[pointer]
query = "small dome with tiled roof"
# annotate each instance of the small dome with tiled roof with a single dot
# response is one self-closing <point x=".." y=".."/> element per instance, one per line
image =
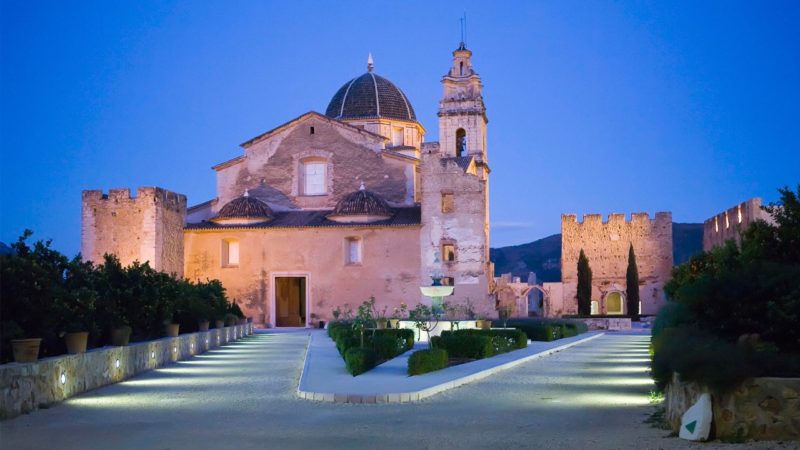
<point x="370" y="96"/>
<point x="243" y="210"/>
<point x="361" y="206"/>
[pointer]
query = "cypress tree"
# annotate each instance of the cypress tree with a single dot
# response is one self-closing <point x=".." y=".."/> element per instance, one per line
<point x="632" y="288"/>
<point x="584" y="286"/>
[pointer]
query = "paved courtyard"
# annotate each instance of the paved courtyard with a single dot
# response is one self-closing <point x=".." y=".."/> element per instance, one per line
<point x="593" y="395"/>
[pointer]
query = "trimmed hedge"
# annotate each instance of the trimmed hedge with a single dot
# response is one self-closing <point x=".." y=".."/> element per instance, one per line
<point x="504" y="340"/>
<point x="383" y="344"/>
<point x="359" y="360"/>
<point x="547" y="329"/>
<point x="424" y="361"/>
<point x="465" y="345"/>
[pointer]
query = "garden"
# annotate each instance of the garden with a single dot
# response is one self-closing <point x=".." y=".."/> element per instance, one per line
<point x="733" y="311"/>
<point x="51" y="305"/>
<point x="366" y="337"/>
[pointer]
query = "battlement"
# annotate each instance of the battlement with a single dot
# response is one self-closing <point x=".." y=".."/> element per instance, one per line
<point x="729" y="224"/>
<point x="663" y="217"/>
<point x="148" y="195"/>
<point x="144" y="227"/>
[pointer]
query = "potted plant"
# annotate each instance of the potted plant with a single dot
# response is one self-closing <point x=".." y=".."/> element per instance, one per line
<point x="397" y="314"/>
<point x="482" y="323"/>
<point x="424" y="320"/>
<point x="231" y="319"/>
<point x="171" y="328"/>
<point x="203" y="325"/>
<point x="121" y="335"/>
<point x="26" y="350"/>
<point x="76" y="341"/>
<point x="381" y="321"/>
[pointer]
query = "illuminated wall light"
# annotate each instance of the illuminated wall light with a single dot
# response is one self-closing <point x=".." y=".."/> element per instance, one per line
<point x="727" y="222"/>
<point x="716" y="224"/>
<point x="152" y="354"/>
<point x="116" y="363"/>
<point x="174" y="349"/>
<point x="63" y="378"/>
<point x="206" y="341"/>
<point x="739" y="213"/>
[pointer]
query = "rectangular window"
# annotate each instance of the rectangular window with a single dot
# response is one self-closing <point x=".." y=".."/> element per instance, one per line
<point x="353" y="251"/>
<point x="314" y="178"/>
<point x="448" y="252"/>
<point x="448" y="281"/>
<point x="448" y="202"/>
<point x="230" y="253"/>
<point x="397" y="137"/>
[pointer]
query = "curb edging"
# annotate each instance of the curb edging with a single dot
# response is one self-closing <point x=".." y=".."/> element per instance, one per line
<point x="414" y="396"/>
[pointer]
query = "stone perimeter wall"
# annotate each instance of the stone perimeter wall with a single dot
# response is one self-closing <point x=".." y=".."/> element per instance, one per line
<point x="731" y="223"/>
<point x="762" y="409"/>
<point x="27" y="387"/>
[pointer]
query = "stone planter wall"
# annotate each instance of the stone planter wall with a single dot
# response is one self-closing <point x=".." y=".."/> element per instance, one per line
<point x="604" y="323"/>
<point x="26" y="387"/>
<point x="762" y="409"/>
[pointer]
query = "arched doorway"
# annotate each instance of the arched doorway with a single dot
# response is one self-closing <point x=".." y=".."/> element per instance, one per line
<point x="615" y="304"/>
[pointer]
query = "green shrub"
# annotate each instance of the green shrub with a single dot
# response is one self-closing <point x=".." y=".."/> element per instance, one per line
<point x="536" y="328"/>
<point x="424" y="361"/>
<point x="385" y="346"/>
<point x="401" y="334"/>
<point x="465" y="345"/>
<point x="359" y="360"/>
<point x="345" y="343"/>
<point x="504" y="340"/>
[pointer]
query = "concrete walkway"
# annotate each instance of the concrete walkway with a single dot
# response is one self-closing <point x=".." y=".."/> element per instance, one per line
<point x="325" y="378"/>
<point x="242" y="396"/>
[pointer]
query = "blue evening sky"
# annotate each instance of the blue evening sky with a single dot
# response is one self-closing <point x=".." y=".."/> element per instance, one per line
<point x="594" y="106"/>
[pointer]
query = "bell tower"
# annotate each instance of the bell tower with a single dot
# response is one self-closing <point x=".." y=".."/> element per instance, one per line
<point x="462" y="114"/>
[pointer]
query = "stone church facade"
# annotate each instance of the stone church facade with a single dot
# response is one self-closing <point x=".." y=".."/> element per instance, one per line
<point x="327" y="209"/>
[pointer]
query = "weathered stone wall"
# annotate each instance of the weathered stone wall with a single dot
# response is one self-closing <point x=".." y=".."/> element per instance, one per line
<point x="606" y="245"/>
<point x="466" y="227"/>
<point x="27" y="387"/>
<point x="761" y="409"/>
<point x="148" y="227"/>
<point x="270" y="169"/>
<point x="389" y="269"/>
<point x="729" y="224"/>
<point x="603" y="323"/>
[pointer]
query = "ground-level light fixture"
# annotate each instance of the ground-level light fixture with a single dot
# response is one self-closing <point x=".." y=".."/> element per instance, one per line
<point x="174" y="349"/>
<point x="63" y="378"/>
<point x="116" y="363"/>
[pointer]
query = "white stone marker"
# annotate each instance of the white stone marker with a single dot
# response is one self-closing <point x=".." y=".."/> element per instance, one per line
<point x="696" y="421"/>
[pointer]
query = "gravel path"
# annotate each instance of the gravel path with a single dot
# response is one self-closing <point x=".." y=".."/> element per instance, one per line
<point x="242" y="396"/>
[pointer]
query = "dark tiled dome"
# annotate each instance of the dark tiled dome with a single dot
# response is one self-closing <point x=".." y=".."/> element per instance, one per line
<point x="246" y="208"/>
<point x="370" y="96"/>
<point x="362" y="203"/>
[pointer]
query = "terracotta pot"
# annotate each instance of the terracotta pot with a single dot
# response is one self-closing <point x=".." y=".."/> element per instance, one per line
<point x="26" y="350"/>
<point x="381" y="323"/>
<point x="76" y="342"/>
<point x="172" y="329"/>
<point x="219" y="324"/>
<point x="394" y="323"/>
<point x="121" y="336"/>
<point x="202" y="325"/>
<point x="483" y="324"/>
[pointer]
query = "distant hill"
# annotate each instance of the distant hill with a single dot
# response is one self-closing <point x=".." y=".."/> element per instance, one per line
<point x="5" y="250"/>
<point x="544" y="256"/>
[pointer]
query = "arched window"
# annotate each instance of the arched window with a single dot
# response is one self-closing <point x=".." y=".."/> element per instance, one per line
<point x="461" y="68"/>
<point x="313" y="174"/>
<point x="461" y="142"/>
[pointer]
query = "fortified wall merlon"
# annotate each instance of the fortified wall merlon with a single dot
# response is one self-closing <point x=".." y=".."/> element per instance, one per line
<point x="606" y="245"/>
<point x="147" y="227"/>
<point x="731" y="223"/>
